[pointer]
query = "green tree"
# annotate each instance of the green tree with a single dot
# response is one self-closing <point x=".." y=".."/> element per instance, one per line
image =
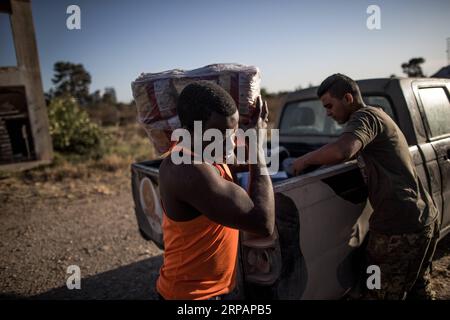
<point x="109" y="96"/>
<point x="71" y="79"/>
<point x="412" y="68"/>
<point x="95" y="98"/>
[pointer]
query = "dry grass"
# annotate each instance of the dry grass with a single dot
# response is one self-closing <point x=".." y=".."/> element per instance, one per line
<point x="274" y="104"/>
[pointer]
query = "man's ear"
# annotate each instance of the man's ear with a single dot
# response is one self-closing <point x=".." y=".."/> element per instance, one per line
<point x="348" y="97"/>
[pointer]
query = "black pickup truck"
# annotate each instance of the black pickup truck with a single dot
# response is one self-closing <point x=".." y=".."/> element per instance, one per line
<point x="322" y="215"/>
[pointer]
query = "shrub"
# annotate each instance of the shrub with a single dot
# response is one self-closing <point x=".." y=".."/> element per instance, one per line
<point x="72" y="131"/>
<point x="104" y="114"/>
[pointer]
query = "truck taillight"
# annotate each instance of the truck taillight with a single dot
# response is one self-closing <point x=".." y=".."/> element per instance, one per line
<point x="261" y="258"/>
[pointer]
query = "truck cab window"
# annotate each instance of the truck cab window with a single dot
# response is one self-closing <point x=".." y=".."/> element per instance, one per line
<point x="381" y="102"/>
<point x="437" y="110"/>
<point x="308" y="117"/>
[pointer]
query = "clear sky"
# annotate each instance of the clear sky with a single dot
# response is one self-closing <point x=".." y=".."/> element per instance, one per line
<point x="294" y="43"/>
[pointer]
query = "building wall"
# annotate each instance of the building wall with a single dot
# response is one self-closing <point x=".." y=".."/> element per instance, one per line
<point x="27" y="74"/>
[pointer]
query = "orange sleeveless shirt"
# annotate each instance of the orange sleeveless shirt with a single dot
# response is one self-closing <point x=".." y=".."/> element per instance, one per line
<point x="200" y="256"/>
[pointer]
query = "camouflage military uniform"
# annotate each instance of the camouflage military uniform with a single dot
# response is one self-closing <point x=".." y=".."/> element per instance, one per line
<point x="405" y="263"/>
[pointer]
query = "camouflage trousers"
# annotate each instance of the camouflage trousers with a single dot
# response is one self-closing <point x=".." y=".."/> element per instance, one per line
<point x="405" y="263"/>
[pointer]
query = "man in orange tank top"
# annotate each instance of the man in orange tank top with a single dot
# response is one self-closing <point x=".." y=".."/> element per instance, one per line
<point x="204" y="209"/>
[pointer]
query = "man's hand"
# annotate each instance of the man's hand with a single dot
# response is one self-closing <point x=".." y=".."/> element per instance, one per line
<point x="299" y="165"/>
<point x="259" y="117"/>
<point x="257" y="122"/>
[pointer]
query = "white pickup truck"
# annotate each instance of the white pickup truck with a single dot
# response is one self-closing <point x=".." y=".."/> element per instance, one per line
<point x="322" y="215"/>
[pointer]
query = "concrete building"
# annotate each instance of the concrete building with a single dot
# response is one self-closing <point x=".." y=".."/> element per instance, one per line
<point x="24" y="129"/>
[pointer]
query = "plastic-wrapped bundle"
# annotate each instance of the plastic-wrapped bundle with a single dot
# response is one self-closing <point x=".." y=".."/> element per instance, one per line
<point x="156" y="95"/>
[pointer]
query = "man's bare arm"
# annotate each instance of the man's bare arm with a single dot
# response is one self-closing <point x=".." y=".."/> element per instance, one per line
<point x="228" y="204"/>
<point x="343" y="149"/>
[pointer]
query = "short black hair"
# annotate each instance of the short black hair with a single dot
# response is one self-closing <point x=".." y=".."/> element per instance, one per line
<point x="338" y="85"/>
<point x="199" y="99"/>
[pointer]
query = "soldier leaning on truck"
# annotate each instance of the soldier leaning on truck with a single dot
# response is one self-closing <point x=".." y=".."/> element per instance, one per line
<point x="403" y="228"/>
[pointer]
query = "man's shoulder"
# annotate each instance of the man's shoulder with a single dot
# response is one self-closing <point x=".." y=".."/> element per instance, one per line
<point x="360" y="117"/>
<point x="185" y="173"/>
<point x="369" y="111"/>
<point x="366" y="124"/>
<point x="374" y="115"/>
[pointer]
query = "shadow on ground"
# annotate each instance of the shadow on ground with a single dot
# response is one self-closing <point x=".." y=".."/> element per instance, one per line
<point x="443" y="248"/>
<point x="133" y="281"/>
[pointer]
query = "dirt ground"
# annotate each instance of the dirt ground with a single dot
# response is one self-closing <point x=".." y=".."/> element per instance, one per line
<point x="47" y="226"/>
